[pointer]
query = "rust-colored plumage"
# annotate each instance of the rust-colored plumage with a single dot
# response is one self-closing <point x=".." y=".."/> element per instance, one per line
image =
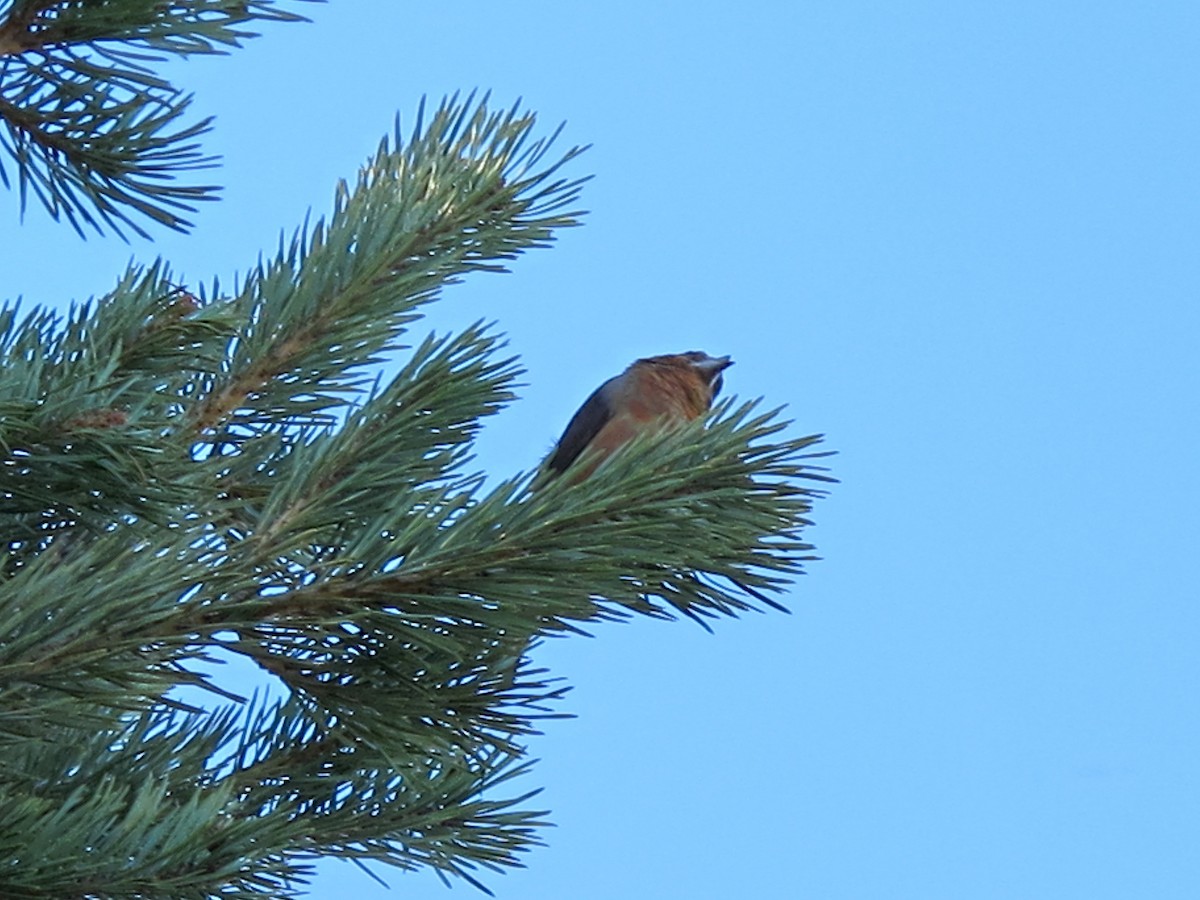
<point x="676" y="387"/>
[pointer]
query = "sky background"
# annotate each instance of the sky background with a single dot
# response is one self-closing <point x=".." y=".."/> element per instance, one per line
<point x="961" y="240"/>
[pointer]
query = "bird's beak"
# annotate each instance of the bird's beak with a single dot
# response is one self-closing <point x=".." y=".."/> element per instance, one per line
<point x="713" y="365"/>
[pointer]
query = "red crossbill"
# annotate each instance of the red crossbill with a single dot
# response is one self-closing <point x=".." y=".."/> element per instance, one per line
<point x="651" y="392"/>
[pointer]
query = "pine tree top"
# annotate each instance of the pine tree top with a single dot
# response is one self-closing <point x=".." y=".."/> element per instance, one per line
<point x="192" y="474"/>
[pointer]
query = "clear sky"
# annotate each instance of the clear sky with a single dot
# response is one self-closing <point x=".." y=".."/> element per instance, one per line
<point x="960" y="239"/>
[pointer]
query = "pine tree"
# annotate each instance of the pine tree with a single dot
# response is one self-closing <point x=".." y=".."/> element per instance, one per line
<point x="190" y="475"/>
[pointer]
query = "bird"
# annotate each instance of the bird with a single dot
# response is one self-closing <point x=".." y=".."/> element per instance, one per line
<point x="650" y="393"/>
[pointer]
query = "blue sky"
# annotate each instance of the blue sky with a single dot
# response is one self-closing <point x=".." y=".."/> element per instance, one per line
<point x="961" y="240"/>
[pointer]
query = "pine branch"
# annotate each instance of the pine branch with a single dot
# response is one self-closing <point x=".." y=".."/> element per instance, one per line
<point x="93" y="145"/>
<point x="182" y="27"/>
<point x="705" y="503"/>
<point x="460" y="196"/>
<point x="244" y="789"/>
<point x="86" y="401"/>
<point x="187" y="479"/>
<point x="96" y="137"/>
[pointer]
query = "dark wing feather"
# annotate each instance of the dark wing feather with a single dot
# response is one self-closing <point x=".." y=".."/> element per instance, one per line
<point x="584" y="425"/>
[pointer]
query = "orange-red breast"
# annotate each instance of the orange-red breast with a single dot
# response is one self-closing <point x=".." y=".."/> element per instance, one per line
<point x="661" y="389"/>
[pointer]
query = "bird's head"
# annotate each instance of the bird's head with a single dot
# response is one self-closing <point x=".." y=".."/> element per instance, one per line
<point x="708" y="368"/>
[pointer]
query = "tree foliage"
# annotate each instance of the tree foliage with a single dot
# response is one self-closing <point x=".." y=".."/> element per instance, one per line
<point x="190" y="476"/>
<point x="95" y="135"/>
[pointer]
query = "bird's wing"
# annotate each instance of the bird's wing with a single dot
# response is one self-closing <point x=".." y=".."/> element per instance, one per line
<point x="595" y="413"/>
